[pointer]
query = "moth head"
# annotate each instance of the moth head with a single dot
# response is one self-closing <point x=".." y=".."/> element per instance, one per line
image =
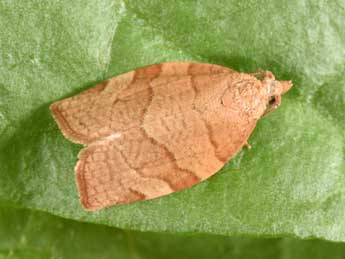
<point x="277" y="88"/>
<point x="273" y="87"/>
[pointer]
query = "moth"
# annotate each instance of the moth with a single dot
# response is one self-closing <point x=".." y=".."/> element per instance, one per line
<point x="162" y="128"/>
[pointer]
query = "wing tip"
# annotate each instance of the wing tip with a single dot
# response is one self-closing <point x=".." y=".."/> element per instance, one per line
<point x="82" y="188"/>
<point x="81" y="185"/>
<point x="63" y="125"/>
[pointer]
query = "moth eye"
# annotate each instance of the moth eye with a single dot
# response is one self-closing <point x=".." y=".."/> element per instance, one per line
<point x="272" y="100"/>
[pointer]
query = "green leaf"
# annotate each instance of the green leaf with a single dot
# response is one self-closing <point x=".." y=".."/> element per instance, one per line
<point x="26" y="234"/>
<point x="291" y="183"/>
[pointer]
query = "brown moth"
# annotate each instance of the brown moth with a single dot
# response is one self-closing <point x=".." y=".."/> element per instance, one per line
<point x="162" y="128"/>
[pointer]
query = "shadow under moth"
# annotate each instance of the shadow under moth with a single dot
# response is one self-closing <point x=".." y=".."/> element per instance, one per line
<point x="162" y="128"/>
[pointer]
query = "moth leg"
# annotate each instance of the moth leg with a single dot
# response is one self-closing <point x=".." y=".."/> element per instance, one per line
<point x="248" y="146"/>
<point x="273" y="104"/>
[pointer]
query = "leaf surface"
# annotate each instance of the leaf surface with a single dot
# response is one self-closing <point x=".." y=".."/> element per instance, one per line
<point x="27" y="234"/>
<point x="291" y="183"/>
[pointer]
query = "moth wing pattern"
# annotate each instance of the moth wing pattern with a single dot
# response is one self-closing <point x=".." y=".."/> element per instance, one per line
<point x="85" y="117"/>
<point x="150" y="132"/>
